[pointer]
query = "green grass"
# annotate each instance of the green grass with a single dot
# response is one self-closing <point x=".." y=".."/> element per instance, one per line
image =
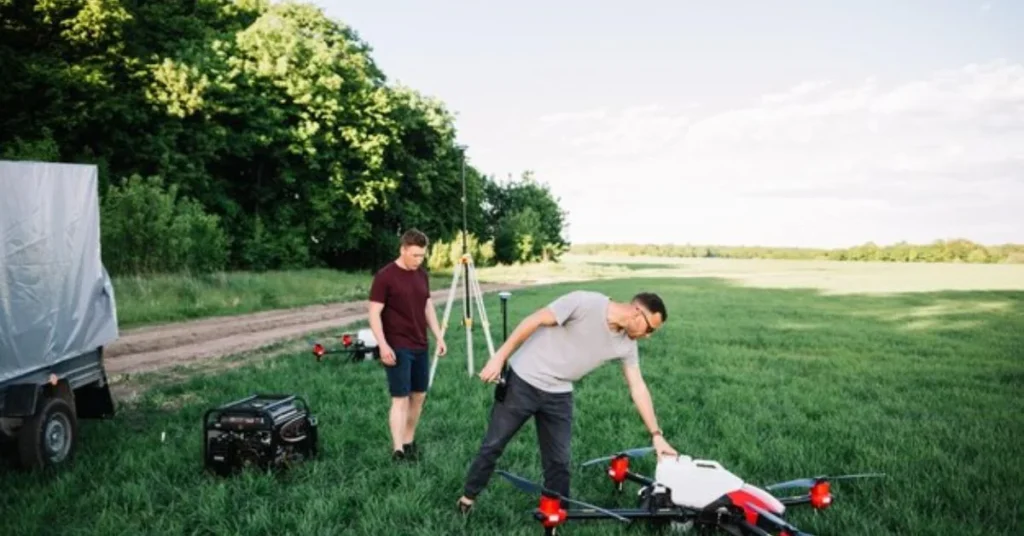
<point x="773" y="383"/>
<point x="167" y="298"/>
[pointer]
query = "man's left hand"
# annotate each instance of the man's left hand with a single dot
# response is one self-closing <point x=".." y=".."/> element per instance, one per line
<point x="441" y="348"/>
<point x="662" y="447"/>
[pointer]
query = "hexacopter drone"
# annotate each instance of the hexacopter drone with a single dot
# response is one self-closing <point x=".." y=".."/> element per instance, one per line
<point x="361" y="346"/>
<point x="698" y="495"/>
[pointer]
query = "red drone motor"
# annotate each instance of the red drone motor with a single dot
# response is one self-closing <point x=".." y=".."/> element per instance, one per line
<point x="319" y="351"/>
<point x="551" y="510"/>
<point x="821" y="498"/>
<point x="618" y="468"/>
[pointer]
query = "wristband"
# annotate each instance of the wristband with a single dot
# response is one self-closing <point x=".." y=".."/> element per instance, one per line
<point x="656" y="433"/>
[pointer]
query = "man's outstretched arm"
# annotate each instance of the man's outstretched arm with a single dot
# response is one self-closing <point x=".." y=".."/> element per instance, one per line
<point x="645" y="406"/>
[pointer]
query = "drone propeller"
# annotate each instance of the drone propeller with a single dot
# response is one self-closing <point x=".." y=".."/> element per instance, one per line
<point x="778" y="520"/>
<point x="531" y="487"/>
<point x="808" y="482"/>
<point x="631" y="453"/>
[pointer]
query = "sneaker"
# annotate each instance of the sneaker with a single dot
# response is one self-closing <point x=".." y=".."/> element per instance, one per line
<point x="463" y="507"/>
<point x="412" y="451"/>
<point x="398" y="456"/>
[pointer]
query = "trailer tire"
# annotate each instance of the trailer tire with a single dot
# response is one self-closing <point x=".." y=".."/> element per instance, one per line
<point x="48" y="438"/>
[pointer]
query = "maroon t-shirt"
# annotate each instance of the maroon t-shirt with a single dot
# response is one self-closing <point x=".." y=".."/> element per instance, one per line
<point x="404" y="294"/>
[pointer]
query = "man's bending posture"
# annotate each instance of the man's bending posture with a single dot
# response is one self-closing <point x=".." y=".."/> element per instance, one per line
<point x="560" y="344"/>
<point x="400" y="313"/>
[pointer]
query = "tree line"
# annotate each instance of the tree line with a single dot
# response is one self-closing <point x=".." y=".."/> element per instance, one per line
<point x="236" y="134"/>
<point x="956" y="250"/>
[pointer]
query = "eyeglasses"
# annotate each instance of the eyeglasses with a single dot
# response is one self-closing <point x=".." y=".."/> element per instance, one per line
<point x="650" y="328"/>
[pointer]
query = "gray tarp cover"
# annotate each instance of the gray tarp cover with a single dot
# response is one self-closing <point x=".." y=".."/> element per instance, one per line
<point x="56" y="299"/>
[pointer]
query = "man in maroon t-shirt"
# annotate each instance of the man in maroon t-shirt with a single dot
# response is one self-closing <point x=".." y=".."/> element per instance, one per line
<point x="400" y="313"/>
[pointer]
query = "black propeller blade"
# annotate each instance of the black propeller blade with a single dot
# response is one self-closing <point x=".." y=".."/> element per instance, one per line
<point x="631" y="453"/>
<point x="531" y="487"/>
<point x="808" y="482"/>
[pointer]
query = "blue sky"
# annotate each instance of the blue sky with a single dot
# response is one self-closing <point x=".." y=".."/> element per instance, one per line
<point x="784" y="123"/>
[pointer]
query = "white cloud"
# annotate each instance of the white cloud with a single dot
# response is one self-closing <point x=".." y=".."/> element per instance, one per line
<point x="921" y="160"/>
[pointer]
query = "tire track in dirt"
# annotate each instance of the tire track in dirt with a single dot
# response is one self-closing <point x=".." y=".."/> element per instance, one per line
<point x="153" y="348"/>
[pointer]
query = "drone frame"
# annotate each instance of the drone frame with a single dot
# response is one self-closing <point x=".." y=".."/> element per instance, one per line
<point x="351" y="344"/>
<point x="738" y="512"/>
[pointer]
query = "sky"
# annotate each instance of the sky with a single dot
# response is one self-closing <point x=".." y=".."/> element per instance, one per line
<point x="782" y="123"/>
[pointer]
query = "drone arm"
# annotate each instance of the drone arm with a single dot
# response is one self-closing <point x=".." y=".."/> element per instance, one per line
<point x="639" y="479"/>
<point x="795" y="500"/>
<point x="753" y="529"/>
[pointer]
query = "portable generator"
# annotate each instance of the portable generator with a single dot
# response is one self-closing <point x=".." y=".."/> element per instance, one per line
<point x="266" y="431"/>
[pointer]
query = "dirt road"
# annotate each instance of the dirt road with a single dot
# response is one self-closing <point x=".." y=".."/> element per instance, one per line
<point x="181" y="343"/>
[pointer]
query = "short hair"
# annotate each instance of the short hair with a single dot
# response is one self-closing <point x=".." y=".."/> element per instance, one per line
<point x="414" y="237"/>
<point x="653" y="303"/>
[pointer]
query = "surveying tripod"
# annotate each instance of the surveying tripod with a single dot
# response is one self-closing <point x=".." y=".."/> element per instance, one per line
<point x="471" y="286"/>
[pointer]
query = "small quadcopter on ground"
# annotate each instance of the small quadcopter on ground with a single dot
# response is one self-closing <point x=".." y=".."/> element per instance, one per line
<point x="361" y="346"/>
<point x="689" y="494"/>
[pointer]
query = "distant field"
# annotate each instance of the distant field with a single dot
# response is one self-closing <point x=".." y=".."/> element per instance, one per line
<point x="774" y="383"/>
<point x="826" y="276"/>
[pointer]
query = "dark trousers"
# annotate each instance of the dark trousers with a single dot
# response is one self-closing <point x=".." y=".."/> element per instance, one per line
<point x="553" y="416"/>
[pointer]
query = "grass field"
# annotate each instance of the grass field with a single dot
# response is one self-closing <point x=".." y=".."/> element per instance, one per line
<point x="774" y="383"/>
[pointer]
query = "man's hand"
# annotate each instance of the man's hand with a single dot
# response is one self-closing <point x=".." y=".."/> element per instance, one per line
<point x="662" y="447"/>
<point x="492" y="370"/>
<point x="387" y="355"/>
<point x="441" y="348"/>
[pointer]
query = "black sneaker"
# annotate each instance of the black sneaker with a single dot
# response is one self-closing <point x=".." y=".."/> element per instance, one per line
<point x="398" y="456"/>
<point x="412" y="451"/>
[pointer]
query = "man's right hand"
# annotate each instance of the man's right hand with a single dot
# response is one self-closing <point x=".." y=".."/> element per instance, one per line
<point x="492" y="370"/>
<point x="387" y="355"/>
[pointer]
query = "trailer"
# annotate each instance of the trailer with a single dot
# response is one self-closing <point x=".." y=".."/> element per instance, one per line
<point x="57" y="310"/>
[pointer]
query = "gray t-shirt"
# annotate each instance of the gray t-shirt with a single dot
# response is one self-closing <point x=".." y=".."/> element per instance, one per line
<point x="555" y="356"/>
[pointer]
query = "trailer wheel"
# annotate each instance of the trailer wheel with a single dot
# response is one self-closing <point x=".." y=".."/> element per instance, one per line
<point x="48" y="438"/>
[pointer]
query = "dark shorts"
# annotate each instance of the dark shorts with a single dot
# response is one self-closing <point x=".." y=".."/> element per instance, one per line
<point x="410" y="373"/>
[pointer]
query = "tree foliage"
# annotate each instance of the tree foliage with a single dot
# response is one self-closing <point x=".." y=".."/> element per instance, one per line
<point x="267" y="129"/>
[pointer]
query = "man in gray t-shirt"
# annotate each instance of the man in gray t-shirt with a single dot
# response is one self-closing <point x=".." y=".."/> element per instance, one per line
<point x="554" y="357"/>
<point x="548" y="351"/>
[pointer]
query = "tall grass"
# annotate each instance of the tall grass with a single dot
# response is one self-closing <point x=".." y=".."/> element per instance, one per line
<point x="166" y="298"/>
